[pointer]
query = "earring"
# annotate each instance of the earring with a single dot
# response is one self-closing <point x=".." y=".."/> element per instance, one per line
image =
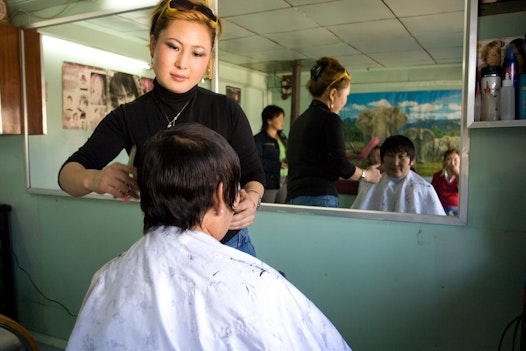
<point x="332" y="105"/>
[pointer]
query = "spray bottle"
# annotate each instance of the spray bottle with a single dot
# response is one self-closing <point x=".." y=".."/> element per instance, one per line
<point x="507" y="99"/>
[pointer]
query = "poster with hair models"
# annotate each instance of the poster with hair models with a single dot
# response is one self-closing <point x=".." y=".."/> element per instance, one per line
<point x="84" y="96"/>
<point x="122" y="88"/>
<point x="90" y="93"/>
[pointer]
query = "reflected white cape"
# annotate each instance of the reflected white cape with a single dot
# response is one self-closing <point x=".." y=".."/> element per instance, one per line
<point x="411" y="194"/>
<point x="186" y="291"/>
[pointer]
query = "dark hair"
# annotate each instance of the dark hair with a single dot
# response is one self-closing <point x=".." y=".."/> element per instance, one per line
<point x="269" y="113"/>
<point x="450" y="152"/>
<point x="327" y="73"/>
<point x="179" y="170"/>
<point x="125" y="80"/>
<point x="398" y="143"/>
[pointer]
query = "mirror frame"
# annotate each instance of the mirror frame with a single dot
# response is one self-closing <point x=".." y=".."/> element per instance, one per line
<point x="468" y="91"/>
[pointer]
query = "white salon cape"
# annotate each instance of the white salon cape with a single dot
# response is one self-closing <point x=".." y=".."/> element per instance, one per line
<point x="186" y="291"/>
<point x="410" y="194"/>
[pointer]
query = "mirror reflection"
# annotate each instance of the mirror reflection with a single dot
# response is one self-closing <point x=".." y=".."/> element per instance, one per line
<point x="388" y="47"/>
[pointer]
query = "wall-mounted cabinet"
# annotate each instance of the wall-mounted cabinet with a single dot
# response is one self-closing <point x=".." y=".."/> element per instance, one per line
<point x="21" y="82"/>
<point x="501" y="19"/>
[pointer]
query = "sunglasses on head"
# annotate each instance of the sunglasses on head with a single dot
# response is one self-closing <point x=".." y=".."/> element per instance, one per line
<point x="344" y="74"/>
<point x="186" y="5"/>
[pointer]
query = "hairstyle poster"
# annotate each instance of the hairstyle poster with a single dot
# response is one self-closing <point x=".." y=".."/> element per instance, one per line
<point x="122" y="88"/>
<point x="146" y="85"/>
<point x="90" y="93"/>
<point x="84" y="96"/>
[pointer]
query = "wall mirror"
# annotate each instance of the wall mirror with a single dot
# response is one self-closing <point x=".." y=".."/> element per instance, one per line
<point x="373" y="38"/>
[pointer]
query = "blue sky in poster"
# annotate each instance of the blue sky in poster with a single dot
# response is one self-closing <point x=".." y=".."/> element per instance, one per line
<point x="418" y="105"/>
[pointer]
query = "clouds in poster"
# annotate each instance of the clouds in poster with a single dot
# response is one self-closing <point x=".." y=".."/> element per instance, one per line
<point x="418" y="105"/>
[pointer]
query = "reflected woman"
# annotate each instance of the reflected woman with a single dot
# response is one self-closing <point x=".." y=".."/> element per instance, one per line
<point x="316" y="153"/>
<point x="445" y="182"/>
<point x="271" y="145"/>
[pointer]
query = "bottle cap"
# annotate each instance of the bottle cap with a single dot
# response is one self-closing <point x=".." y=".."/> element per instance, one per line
<point x="507" y="81"/>
<point x="490" y="71"/>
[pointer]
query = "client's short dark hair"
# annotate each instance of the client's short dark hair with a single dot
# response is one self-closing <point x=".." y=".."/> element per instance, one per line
<point x="178" y="172"/>
<point x="398" y="143"/>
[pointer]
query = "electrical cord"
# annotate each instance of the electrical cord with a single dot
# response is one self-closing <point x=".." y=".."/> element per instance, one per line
<point x="519" y="320"/>
<point x="38" y="289"/>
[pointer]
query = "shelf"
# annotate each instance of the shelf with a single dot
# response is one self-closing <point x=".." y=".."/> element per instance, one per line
<point x="499" y="7"/>
<point x="499" y="124"/>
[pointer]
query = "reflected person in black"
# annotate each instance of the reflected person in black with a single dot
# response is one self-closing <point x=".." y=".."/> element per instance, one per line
<point x="271" y="145"/>
<point x="123" y="89"/>
<point x="316" y="152"/>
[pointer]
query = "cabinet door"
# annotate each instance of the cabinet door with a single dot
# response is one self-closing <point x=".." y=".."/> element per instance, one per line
<point x="10" y="87"/>
<point x="35" y="90"/>
<point x="16" y="42"/>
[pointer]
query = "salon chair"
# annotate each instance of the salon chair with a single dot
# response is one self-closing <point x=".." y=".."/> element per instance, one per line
<point x="13" y="336"/>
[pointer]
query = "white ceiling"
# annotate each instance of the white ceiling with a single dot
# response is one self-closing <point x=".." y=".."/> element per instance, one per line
<point x="270" y="35"/>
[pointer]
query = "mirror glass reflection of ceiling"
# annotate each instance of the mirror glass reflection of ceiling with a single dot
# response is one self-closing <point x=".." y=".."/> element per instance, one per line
<point x="270" y="35"/>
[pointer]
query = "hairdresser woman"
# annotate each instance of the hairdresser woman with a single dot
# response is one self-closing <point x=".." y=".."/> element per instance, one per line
<point x="316" y="151"/>
<point x="182" y="36"/>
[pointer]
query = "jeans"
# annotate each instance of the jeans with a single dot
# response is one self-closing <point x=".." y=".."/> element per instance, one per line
<point x="321" y="200"/>
<point x="451" y="210"/>
<point x="241" y="241"/>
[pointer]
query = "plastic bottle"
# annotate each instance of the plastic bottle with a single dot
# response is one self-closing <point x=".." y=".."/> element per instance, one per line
<point x="490" y="86"/>
<point x="507" y="99"/>
<point x="511" y="65"/>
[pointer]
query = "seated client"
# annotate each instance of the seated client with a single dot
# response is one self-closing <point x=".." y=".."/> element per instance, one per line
<point x="178" y="287"/>
<point x="400" y="189"/>
<point x="445" y="181"/>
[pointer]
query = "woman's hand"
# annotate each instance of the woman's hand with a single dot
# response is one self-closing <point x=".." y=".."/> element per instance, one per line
<point x="453" y="169"/>
<point x="373" y="174"/>
<point x="116" y="179"/>
<point x="245" y="211"/>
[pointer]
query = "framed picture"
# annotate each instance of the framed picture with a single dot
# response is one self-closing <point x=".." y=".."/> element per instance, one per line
<point x="234" y="93"/>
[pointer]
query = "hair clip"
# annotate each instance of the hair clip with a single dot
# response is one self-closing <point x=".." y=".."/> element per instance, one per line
<point x="316" y="70"/>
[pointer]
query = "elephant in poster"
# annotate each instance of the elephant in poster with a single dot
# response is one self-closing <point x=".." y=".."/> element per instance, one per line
<point x="382" y="122"/>
<point x="424" y="141"/>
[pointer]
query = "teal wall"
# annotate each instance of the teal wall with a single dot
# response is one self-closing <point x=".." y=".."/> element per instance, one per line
<point x="385" y="285"/>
